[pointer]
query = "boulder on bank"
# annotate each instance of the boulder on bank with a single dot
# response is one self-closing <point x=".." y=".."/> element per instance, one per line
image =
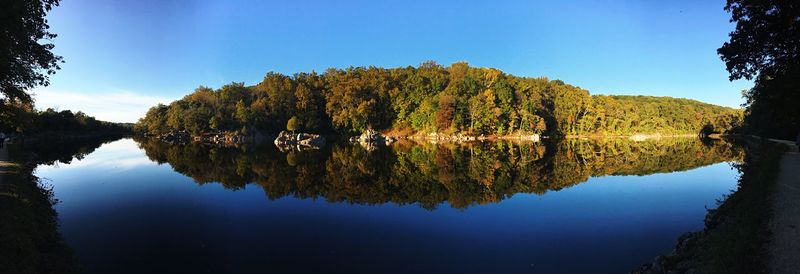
<point x="371" y="138"/>
<point x="300" y="140"/>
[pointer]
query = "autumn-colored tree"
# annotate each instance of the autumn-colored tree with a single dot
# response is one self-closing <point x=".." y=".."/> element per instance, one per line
<point x="429" y="98"/>
<point x="446" y="112"/>
<point x="293" y="124"/>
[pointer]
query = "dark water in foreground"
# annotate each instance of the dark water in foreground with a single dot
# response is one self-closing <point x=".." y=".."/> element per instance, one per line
<point x="571" y="207"/>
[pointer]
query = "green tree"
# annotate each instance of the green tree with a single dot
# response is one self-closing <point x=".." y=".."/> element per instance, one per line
<point x="570" y="104"/>
<point x="293" y="124"/>
<point x="25" y="62"/>
<point x="309" y="102"/>
<point x="243" y="115"/>
<point x="358" y="98"/>
<point x="764" y="47"/>
<point x="26" y="59"/>
<point x="765" y="39"/>
<point x="277" y="94"/>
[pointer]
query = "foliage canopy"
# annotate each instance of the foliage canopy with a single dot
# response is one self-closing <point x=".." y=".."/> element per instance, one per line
<point x="26" y="60"/>
<point x="430" y="98"/>
<point x="764" y="47"/>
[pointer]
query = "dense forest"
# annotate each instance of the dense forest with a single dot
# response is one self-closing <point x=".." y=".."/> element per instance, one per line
<point x="430" y="98"/>
<point x="33" y="122"/>
<point x="429" y="175"/>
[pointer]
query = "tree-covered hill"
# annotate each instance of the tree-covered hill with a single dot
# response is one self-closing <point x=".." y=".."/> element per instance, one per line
<point x="430" y="98"/>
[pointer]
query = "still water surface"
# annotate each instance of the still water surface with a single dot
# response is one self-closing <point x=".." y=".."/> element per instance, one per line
<point x="572" y="207"/>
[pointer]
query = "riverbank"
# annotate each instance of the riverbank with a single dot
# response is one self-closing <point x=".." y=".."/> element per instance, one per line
<point x="233" y="138"/>
<point x="527" y="136"/>
<point x="29" y="238"/>
<point x="736" y="235"/>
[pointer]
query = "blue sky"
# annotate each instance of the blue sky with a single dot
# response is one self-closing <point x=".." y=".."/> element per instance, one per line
<point x="125" y="56"/>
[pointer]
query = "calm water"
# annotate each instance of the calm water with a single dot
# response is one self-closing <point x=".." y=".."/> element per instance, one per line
<point x="572" y="207"/>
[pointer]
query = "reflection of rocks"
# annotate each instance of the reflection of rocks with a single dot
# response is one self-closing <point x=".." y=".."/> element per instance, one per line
<point x="437" y="138"/>
<point x="639" y="137"/>
<point x="371" y="139"/>
<point x="300" y="141"/>
<point x="221" y="138"/>
<point x="522" y="137"/>
<point x="444" y="138"/>
<point x="174" y="137"/>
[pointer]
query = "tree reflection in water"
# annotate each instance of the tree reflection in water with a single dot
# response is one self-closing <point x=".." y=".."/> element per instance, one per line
<point x="429" y="175"/>
<point x="29" y="238"/>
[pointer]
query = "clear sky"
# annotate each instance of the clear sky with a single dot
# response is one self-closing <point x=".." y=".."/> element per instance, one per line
<point x="124" y="56"/>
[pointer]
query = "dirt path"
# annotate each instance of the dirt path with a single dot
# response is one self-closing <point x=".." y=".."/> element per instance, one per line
<point x="785" y="224"/>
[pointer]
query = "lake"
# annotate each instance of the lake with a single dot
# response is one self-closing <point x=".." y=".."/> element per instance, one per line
<point x="575" y="206"/>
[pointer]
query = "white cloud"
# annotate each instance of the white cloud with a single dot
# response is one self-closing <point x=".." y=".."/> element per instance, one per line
<point x="120" y="106"/>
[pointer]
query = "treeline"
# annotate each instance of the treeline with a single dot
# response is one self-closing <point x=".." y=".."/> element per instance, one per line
<point x="773" y="105"/>
<point x="430" y="98"/>
<point x="429" y="175"/>
<point x="32" y="122"/>
<point x="764" y="47"/>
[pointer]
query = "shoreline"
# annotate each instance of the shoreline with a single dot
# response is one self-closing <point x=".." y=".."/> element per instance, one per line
<point x="637" y="135"/>
<point x="228" y="138"/>
<point x="736" y="235"/>
<point x="29" y="203"/>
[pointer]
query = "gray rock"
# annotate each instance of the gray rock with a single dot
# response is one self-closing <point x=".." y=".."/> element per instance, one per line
<point x="370" y="139"/>
<point x="299" y="141"/>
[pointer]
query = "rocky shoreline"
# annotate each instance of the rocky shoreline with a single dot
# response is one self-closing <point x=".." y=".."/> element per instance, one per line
<point x="735" y="236"/>
<point x="373" y="138"/>
<point x="287" y="141"/>
<point x="222" y="138"/>
<point x="435" y="137"/>
<point x="676" y="261"/>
